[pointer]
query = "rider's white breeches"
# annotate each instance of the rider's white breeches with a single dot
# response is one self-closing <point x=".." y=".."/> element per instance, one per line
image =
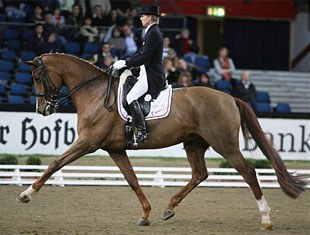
<point x="140" y="88"/>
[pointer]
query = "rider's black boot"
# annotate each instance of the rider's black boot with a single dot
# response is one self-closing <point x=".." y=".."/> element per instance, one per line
<point x="139" y="122"/>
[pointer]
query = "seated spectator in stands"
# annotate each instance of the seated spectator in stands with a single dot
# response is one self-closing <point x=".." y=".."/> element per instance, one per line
<point x="37" y="16"/>
<point x="105" y="51"/>
<point x="88" y="32"/>
<point x="166" y="46"/>
<point x="117" y="42"/>
<point x="58" y="19"/>
<point x="49" y="28"/>
<point x="108" y="60"/>
<point x="75" y="18"/>
<point x="246" y="90"/>
<point x="99" y="18"/>
<point x="170" y="71"/>
<point x="131" y="41"/>
<point x="49" y="5"/>
<point x="65" y="6"/>
<point x="172" y="55"/>
<point x="184" y="44"/>
<point x="224" y="67"/>
<point x="204" y="80"/>
<point x="36" y="42"/>
<point x="53" y="44"/>
<point x="182" y="66"/>
<point x="105" y="6"/>
<point x="115" y="18"/>
<point x="134" y="16"/>
<point x="184" y="80"/>
<point x="15" y="9"/>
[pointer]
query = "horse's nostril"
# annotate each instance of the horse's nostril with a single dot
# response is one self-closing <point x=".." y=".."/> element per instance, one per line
<point x="39" y="112"/>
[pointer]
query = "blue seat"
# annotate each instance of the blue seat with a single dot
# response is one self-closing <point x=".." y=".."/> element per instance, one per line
<point x="2" y="89"/>
<point x="18" y="89"/>
<point x="263" y="96"/>
<point x="283" y="108"/>
<point x="263" y="107"/>
<point x="27" y="55"/>
<point x="223" y="85"/>
<point x="24" y="78"/>
<point x="16" y="99"/>
<point x="72" y="48"/>
<point x="85" y="56"/>
<point x="91" y="47"/>
<point x="3" y="18"/>
<point x="27" y="33"/>
<point x="32" y="99"/>
<point x="33" y="90"/>
<point x="22" y="67"/>
<point x="10" y="34"/>
<point x="15" y="19"/>
<point x="13" y="44"/>
<point x="6" y="66"/>
<point x="8" y="55"/>
<point x="5" y="76"/>
<point x="203" y="64"/>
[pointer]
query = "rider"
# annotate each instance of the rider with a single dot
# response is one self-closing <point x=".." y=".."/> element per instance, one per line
<point x="151" y="78"/>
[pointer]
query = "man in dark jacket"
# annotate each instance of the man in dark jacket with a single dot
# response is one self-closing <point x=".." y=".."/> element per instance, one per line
<point x="151" y="79"/>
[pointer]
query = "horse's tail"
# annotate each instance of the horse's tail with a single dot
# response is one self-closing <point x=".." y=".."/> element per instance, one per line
<point x="291" y="185"/>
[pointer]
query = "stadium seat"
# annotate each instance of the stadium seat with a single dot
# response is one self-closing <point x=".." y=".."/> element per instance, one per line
<point x="85" y="56"/>
<point x="27" y="33"/>
<point x="10" y="34"/>
<point x="5" y="76"/>
<point x="263" y="108"/>
<point x="32" y="99"/>
<point x="203" y="64"/>
<point x="18" y="89"/>
<point x="263" y="96"/>
<point x="6" y="66"/>
<point x="22" y="67"/>
<point x="2" y="89"/>
<point x="13" y="44"/>
<point x="3" y="18"/>
<point x="33" y="90"/>
<point x="72" y="48"/>
<point x="190" y="57"/>
<point x="224" y="85"/>
<point x="15" y="19"/>
<point x="16" y="99"/>
<point x="91" y="47"/>
<point x="8" y="55"/>
<point x="283" y="108"/>
<point x="24" y="78"/>
<point x="27" y="55"/>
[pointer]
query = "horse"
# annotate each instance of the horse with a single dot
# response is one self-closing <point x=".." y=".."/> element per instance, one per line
<point x="199" y="118"/>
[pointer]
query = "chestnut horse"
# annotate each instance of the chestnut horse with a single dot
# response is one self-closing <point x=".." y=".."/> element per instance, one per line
<point x="199" y="117"/>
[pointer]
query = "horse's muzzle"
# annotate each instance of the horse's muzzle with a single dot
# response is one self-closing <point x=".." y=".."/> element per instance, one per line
<point x="47" y="109"/>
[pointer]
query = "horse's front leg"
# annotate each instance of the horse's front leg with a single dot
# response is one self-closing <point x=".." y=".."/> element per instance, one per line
<point x="77" y="150"/>
<point x="122" y="161"/>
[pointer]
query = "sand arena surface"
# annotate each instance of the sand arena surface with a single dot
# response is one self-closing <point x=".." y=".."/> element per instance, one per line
<point x="92" y="210"/>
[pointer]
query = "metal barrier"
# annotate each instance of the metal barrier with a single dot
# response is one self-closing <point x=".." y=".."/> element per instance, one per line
<point x="148" y="176"/>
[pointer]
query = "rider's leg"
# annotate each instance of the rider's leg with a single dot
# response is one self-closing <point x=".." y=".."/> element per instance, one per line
<point x="139" y="89"/>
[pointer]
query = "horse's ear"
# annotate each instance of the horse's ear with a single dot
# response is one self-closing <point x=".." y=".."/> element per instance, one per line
<point x="30" y="62"/>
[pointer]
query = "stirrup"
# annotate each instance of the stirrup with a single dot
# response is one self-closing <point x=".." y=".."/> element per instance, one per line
<point x="141" y="137"/>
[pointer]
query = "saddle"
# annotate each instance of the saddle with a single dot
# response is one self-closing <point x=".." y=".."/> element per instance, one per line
<point x="144" y="101"/>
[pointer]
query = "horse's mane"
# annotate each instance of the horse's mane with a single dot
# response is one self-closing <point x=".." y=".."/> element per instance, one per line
<point x="73" y="57"/>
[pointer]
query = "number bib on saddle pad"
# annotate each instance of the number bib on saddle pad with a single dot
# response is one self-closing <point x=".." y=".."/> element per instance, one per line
<point x="158" y="108"/>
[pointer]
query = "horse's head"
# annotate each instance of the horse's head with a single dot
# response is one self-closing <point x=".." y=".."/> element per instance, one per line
<point x="47" y="82"/>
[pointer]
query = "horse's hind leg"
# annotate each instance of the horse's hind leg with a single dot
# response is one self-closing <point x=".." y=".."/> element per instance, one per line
<point x="195" y="150"/>
<point x="77" y="150"/>
<point x="237" y="161"/>
<point x="122" y="161"/>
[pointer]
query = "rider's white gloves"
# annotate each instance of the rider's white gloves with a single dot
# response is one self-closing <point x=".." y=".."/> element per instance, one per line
<point x="119" y="64"/>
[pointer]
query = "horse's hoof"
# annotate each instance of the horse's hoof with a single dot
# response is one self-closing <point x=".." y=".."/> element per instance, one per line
<point x="143" y="222"/>
<point x="23" y="198"/>
<point x="266" y="226"/>
<point x="168" y="214"/>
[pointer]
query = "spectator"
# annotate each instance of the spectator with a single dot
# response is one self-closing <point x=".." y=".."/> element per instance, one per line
<point x="57" y="19"/>
<point x="131" y="41"/>
<point x="224" y="66"/>
<point x="184" y="80"/>
<point x="204" y="80"/>
<point x="53" y="44"/>
<point x="166" y="48"/>
<point x="37" y="16"/>
<point x="49" y="5"/>
<point x="105" y="51"/>
<point x="89" y="32"/>
<point x="117" y="42"/>
<point x="114" y="18"/>
<point x="65" y="6"/>
<point x="49" y="28"/>
<point x="15" y="9"/>
<point x="172" y="55"/>
<point x="75" y="18"/>
<point x="98" y="18"/>
<point x="36" y="42"/>
<point x="246" y="90"/>
<point x="108" y="60"/>
<point x="170" y="71"/>
<point x="182" y="66"/>
<point x="184" y="44"/>
<point x="105" y="6"/>
<point x="134" y="16"/>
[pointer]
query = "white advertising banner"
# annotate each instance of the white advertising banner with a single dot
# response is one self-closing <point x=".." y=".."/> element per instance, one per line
<point x="30" y="133"/>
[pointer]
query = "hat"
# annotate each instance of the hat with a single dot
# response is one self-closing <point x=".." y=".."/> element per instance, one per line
<point x="150" y="10"/>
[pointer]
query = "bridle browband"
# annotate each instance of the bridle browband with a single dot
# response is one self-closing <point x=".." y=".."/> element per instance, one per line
<point x="55" y="98"/>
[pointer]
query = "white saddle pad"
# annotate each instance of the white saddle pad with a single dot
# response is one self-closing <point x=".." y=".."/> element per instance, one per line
<point x="160" y="108"/>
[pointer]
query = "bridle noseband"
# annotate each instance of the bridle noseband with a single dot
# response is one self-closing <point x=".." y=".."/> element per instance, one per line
<point x="54" y="98"/>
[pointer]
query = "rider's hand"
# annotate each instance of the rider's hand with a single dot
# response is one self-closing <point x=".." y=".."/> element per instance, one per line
<point x="119" y="64"/>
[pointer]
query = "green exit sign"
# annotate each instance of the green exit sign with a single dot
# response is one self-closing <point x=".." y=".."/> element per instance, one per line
<point x="216" y="11"/>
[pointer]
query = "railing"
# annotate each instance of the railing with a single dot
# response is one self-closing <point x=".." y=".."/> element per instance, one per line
<point x="148" y="176"/>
